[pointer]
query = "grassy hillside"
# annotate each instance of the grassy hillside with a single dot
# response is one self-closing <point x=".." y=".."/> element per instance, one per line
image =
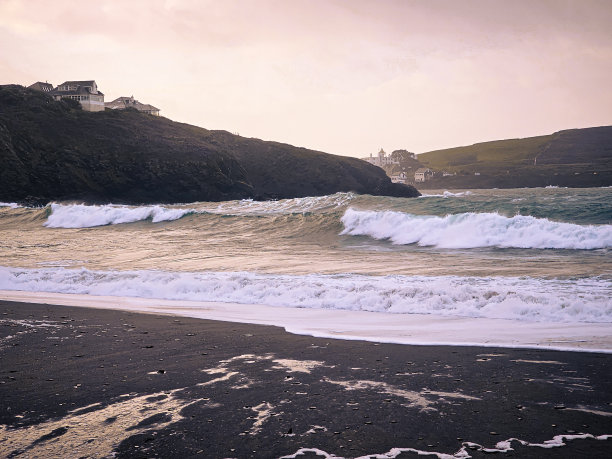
<point x="489" y="155"/>
<point x="579" y="146"/>
<point x="55" y="151"/>
<point x="576" y="157"/>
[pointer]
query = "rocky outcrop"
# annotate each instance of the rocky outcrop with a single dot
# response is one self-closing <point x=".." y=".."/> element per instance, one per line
<point x="55" y="151"/>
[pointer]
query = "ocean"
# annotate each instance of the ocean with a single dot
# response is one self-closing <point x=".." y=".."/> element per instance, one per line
<point x="529" y="255"/>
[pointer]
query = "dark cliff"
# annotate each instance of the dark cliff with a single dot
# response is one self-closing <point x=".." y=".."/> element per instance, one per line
<point x="55" y="151"/>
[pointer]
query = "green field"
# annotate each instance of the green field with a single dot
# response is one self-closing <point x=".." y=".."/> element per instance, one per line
<point x="574" y="157"/>
<point x="487" y="156"/>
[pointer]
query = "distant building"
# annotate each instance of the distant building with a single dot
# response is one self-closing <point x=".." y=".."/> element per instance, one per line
<point x="122" y="103"/>
<point x="85" y="92"/>
<point x="43" y="87"/>
<point x="423" y="174"/>
<point x="381" y="159"/>
<point x="90" y="98"/>
<point x="399" y="178"/>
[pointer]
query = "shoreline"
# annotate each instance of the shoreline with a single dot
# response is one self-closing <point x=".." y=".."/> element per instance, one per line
<point x="405" y="329"/>
<point x="93" y="382"/>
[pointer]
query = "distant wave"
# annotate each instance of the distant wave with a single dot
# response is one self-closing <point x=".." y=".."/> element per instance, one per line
<point x="86" y="216"/>
<point x="527" y="299"/>
<point x="283" y="206"/>
<point x="447" y="194"/>
<point x="471" y="230"/>
<point x="12" y="205"/>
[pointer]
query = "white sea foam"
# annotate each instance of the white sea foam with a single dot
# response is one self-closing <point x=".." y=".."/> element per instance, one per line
<point x="12" y="205"/>
<point x="447" y="194"/>
<point x="504" y="446"/>
<point x="526" y="299"/>
<point x="85" y="216"/>
<point x="82" y="216"/>
<point x="470" y="230"/>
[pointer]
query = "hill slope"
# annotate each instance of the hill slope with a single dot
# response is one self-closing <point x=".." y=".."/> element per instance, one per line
<point x="575" y="157"/>
<point x="55" y="151"/>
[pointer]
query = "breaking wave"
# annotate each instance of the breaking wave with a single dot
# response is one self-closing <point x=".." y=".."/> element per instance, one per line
<point x="82" y="216"/>
<point x="527" y="299"/>
<point x="87" y="216"/>
<point x="471" y="230"/>
<point x="284" y="206"/>
<point x="12" y="205"/>
<point x="447" y="194"/>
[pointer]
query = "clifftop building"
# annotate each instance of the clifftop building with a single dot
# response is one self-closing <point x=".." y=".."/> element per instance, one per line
<point x="381" y="159"/>
<point x="423" y="174"/>
<point x="85" y="92"/>
<point x="43" y="87"/>
<point x="121" y="103"/>
<point x="90" y="97"/>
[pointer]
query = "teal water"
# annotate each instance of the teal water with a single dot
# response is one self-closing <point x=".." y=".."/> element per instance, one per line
<point x="553" y="244"/>
<point x="305" y="235"/>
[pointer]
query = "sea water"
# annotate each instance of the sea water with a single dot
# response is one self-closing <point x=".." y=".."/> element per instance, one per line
<point x="533" y="255"/>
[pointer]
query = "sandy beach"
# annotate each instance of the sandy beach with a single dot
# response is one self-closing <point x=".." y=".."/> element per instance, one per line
<point x="336" y="229"/>
<point x="83" y="382"/>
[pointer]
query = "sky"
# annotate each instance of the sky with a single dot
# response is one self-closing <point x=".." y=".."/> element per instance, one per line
<point x="342" y="76"/>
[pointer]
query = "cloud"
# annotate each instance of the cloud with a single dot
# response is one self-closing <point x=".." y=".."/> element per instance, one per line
<point x="346" y="76"/>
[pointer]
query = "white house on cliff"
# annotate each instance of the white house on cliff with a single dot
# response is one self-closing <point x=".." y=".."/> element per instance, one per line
<point x="90" y="97"/>
<point x="381" y="159"/>
<point x="85" y="92"/>
<point x="121" y="103"/>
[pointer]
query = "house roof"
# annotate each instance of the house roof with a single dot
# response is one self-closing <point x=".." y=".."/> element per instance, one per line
<point x="125" y="102"/>
<point x="79" y="83"/>
<point x="421" y="170"/>
<point x="81" y="90"/>
<point x="39" y="85"/>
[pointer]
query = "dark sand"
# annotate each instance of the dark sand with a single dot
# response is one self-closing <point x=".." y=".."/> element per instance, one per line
<point x="178" y="387"/>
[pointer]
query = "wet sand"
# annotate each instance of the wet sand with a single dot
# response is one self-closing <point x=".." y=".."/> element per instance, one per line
<point x="419" y="329"/>
<point x="80" y="382"/>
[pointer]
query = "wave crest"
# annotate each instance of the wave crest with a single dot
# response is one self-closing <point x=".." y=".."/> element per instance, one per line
<point x="82" y="216"/>
<point x="87" y="216"/>
<point x="12" y="205"/>
<point x="471" y="230"/>
<point x="283" y="206"/>
<point x="447" y="194"/>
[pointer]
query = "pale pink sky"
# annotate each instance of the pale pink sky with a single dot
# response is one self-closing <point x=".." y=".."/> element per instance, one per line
<point x="342" y="76"/>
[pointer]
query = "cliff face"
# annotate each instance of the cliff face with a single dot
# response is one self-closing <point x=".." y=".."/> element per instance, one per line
<point x="55" y="151"/>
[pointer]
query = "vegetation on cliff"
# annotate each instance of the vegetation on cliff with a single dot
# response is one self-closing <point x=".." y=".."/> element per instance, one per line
<point x="55" y="151"/>
<point x="574" y="158"/>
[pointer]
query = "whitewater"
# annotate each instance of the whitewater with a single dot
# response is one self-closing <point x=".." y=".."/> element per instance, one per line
<point x="514" y="257"/>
